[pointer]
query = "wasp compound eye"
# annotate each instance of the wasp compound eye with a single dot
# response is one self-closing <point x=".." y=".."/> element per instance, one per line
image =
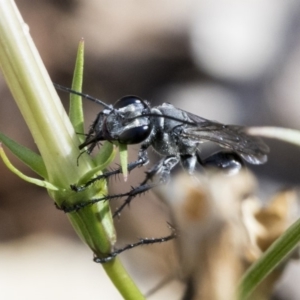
<point x="128" y="100"/>
<point x="135" y="135"/>
<point x="135" y="128"/>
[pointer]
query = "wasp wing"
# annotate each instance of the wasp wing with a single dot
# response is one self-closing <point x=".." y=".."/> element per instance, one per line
<point x="233" y="137"/>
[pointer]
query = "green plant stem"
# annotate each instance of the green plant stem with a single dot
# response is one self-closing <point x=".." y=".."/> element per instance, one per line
<point x="32" y="88"/>
<point x="126" y="286"/>
<point x="54" y="135"/>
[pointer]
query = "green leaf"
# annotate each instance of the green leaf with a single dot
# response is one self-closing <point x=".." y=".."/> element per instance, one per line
<point x="38" y="182"/>
<point x="277" y="252"/>
<point x="124" y="160"/>
<point x="75" y="110"/>
<point x="33" y="160"/>
<point x="105" y="155"/>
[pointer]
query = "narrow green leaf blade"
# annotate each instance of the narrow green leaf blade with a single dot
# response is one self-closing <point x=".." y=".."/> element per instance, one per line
<point x="75" y="110"/>
<point x="33" y="160"/>
<point x="279" y="250"/>
<point x="11" y="167"/>
<point x="124" y="160"/>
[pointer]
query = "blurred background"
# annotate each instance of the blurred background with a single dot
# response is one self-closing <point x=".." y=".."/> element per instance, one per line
<point x="236" y="62"/>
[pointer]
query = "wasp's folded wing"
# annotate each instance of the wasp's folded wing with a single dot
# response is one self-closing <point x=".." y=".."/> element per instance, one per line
<point x="233" y="137"/>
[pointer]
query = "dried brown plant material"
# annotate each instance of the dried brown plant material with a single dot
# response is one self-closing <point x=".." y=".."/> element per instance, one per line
<point x="223" y="228"/>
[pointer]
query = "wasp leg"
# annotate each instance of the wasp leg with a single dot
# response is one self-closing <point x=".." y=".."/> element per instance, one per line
<point x="106" y="175"/>
<point x="142" y="188"/>
<point x="142" y="160"/>
<point x="135" y="191"/>
<point x="80" y="205"/>
<point x="189" y="162"/>
<point x="130" y="195"/>
<point x="161" y="170"/>
<point x="142" y="241"/>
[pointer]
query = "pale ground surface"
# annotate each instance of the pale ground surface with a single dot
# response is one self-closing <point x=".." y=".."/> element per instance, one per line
<point x="45" y="266"/>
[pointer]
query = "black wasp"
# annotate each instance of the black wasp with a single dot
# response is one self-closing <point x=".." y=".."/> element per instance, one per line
<point x="173" y="133"/>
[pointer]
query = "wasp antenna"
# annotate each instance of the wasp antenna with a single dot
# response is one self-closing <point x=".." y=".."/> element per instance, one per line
<point x="66" y="89"/>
